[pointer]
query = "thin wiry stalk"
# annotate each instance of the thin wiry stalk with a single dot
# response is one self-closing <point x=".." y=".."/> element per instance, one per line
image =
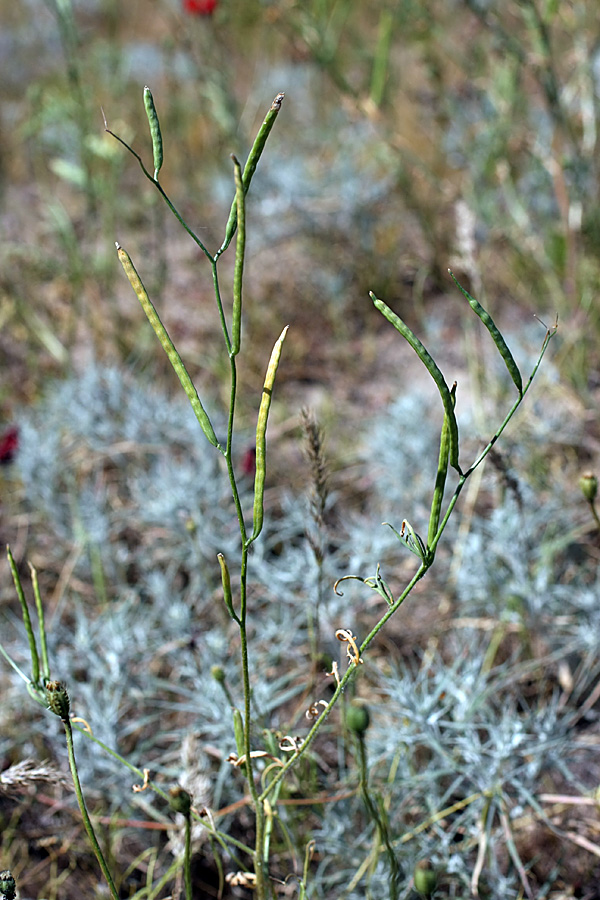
<point x="87" y="823"/>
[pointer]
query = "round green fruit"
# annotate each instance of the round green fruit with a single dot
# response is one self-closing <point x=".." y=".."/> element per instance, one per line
<point x="357" y="718"/>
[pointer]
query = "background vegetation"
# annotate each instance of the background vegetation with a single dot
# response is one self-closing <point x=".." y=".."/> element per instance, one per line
<point x="413" y="137"/>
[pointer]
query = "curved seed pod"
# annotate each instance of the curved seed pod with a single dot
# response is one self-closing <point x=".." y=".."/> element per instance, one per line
<point x="238" y="730"/>
<point x="240" y="199"/>
<point x="433" y="370"/>
<point x="250" y="167"/>
<point x="168" y="346"/>
<point x="440" y="478"/>
<point x="261" y="435"/>
<point x="497" y="338"/>
<point x="155" y="132"/>
<point x="226" y="582"/>
<point x="58" y="699"/>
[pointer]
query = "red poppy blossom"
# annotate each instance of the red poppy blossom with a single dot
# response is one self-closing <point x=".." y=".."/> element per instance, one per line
<point x="200" y="7"/>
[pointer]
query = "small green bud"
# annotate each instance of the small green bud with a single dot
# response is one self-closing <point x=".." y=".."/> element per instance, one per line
<point x="8" y="888"/>
<point x="588" y="484"/>
<point x="238" y="730"/>
<point x="357" y="718"/>
<point x="425" y="878"/>
<point x="218" y="673"/>
<point x="179" y="800"/>
<point x="58" y="699"/>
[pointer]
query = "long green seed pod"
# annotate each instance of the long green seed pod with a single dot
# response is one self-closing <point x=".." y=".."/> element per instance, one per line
<point x="168" y="346"/>
<point x="250" y="167"/>
<point x="261" y="435"/>
<point x="440" y="478"/>
<point x="35" y="660"/>
<point x="240" y="199"/>
<point x="155" y="132"/>
<point x="433" y="370"/>
<point x="497" y="338"/>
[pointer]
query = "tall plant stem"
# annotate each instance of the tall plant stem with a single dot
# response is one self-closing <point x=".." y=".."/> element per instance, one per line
<point x="257" y="803"/>
<point x="84" y="813"/>
<point x="259" y="862"/>
<point x="187" y="858"/>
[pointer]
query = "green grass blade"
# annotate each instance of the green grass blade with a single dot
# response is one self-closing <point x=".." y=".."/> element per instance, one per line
<point x="433" y="370"/>
<point x="168" y="346"/>
<point x="497" y="338"/>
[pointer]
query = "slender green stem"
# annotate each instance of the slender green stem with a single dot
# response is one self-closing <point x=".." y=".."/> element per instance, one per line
<point x="229" y="451"/>
<point x="377" y="817"/>
<point x="161" y="191"/>
<point x="259" y="813"/>
<point x="350" y="673"/>
<point x="35" y="662"/>
<point x="549" y="335"/>
<point x="187" y="858"/>
<point x="220" y="836"/>
<point x="84" y="813"/>
<point x="222" y="318"/>
<point x="41" y="623"/>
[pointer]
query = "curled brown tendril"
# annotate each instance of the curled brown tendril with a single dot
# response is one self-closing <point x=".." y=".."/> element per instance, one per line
<point x="344" y="634"/>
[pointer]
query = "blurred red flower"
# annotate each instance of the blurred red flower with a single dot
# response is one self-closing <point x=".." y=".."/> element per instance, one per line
<point x="200" y="7"/>
<point x="9" y="444"/>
